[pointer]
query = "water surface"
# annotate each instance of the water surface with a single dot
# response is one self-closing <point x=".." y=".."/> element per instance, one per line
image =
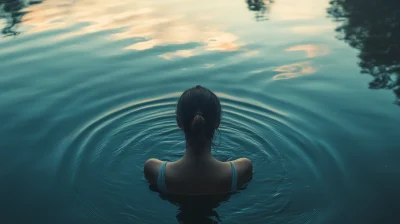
<point x="309" y="90"/>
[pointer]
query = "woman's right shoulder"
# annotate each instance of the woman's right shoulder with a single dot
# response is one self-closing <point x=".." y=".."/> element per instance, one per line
<point x="151" y="168"/>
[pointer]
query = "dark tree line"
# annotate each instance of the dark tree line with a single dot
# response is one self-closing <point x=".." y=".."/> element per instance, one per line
<point x="260" y="7"/>
<point x="372" y="27"/>
<point x="11" y="12"/>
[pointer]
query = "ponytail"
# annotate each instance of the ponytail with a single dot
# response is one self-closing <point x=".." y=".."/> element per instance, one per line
<point x="198" y="127"/>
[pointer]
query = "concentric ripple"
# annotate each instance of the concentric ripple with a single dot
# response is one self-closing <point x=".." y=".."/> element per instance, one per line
<point x="80" y="117"/>
<point x="106" y="156"/>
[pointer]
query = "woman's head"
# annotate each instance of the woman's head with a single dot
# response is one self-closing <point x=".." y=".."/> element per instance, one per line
<point x="198" y="114"/>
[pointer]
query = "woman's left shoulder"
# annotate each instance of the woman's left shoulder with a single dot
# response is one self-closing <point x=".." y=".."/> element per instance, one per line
<point x="151" y="168"/>
<point x="243" y="164"/>
<point x="244" y="169"/>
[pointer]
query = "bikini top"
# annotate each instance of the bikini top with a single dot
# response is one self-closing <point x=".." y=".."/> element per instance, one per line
<point x="163" y="188"/>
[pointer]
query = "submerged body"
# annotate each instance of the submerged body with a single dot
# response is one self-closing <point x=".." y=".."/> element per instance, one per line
<point x="198" y="172"/>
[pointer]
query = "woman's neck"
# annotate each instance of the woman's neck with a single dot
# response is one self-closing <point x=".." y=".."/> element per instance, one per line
<point x="195" y="155"/>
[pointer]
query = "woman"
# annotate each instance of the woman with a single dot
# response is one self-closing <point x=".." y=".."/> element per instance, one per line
<point x="198" y="114"/>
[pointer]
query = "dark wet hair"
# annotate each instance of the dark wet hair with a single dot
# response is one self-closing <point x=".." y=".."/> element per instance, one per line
<point x="198" y="113"/>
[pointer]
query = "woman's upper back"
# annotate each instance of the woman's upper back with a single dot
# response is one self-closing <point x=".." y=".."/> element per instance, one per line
<point x="198" y="115"/>
<point x="185" y="178"/>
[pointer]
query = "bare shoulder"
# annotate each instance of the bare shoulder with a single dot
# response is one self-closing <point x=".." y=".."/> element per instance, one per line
<point x="151" y="167"/>
<point x="244" y="169"/>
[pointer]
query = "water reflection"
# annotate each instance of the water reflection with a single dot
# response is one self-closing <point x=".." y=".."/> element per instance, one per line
<point x="260" y="7"/>
<point x="372" y="27"/>
<point x="196" y="209"/>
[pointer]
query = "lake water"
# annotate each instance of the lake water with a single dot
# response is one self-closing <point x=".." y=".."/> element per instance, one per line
<point x="309" y="89"/>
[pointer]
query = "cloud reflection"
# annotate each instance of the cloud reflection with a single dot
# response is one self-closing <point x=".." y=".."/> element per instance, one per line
<point x="252" y="53"/>
<point x="156" y="24"/>
<point x="176" y="54"/>
<point x="311" y="50"/>
<point x="294" y="70"/>
<point x="298" y="10"/>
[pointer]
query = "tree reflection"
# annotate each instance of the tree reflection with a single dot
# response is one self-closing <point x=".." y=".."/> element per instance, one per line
<point x="260" y="7"/>
<point x="373" y="27"/>
<point x="11" y="12"/>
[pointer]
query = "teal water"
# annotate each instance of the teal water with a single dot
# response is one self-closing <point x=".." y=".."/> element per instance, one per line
<point x="309" y="90"/>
